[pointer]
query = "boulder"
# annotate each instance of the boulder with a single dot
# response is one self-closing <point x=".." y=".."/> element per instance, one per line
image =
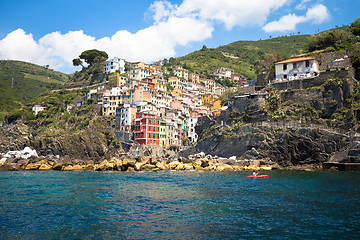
<point x="266" y="168"/>
<point x="197" y="165"/>
<point x="200" y="155"/>
<point x="116" y="163"/>
<point x="224" y="167"/>
<point x="237" y="167"/>
<point x="137" y="166"/>
<point x="57" y="166"/>
<point x="45" y="167"/>
<point x="78" y="167"/>
<point x="180" y="166"/>
<point x="174" y="164"/>
<point x="33" y="166"/>
<point x="148" y="167"/>
<point x="161" y="165"/>
<point x="89" y="167"/>
<point x="188" y="166"/>
<point x="8" y="167"/>
<point x="204" y="163"/>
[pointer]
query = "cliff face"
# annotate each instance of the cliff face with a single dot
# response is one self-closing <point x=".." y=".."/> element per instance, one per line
<point x="307" y="124"/>
<point x="287" y="147"/>
<point x="93" y="142"/>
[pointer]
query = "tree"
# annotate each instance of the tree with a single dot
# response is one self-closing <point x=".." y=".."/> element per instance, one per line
<point x="93" y="56"/>
<point x="355" y="27"/>
<point x="224" y="98"/>
<point x="165" y="61"/>
<point x="203" y="47"/>
<point x="77" y="62"/>
<point x="267" y="62"/>
<point x="171" y="60"/>
<point x="332" y="38"/>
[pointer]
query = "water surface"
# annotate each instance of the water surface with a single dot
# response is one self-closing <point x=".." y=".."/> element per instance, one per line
<point x="179" y="205"/>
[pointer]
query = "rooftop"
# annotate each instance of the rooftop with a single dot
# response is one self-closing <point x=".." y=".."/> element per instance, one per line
<point x="296" y="60"/>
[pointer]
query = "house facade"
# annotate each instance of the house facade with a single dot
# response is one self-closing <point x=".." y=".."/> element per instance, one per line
<point x="115" y="64"/>
<point x="147" y="129"/>
<point x="296" y="68"/>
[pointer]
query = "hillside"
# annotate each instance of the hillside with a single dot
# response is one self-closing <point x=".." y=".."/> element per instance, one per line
<point x="20" y="82"/>
<point x="241" y="55"/>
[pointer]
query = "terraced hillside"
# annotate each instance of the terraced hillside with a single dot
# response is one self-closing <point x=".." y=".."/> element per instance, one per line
<point x="20" y="82"/>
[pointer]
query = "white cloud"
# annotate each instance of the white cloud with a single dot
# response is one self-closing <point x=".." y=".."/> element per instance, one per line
<point x="228" y="12"/>
<point x="174" y="25"/>
<point x="302" y="5"/>
<point x="150" y="44"/>
<point x="286" y="23"/>
<point x="317" y="14"/>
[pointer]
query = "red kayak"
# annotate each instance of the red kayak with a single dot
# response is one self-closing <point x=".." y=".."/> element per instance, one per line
<point x="258" y="176"/>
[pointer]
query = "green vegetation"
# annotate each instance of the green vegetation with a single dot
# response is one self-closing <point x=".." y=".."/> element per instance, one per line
<point x="91" y="74"/>
<point x="333" y="39"/>
<point x="90" y="57"/>
<point x="21" y="82"/>
<point x="56" y="115"/>
<point x="240" y="56"/>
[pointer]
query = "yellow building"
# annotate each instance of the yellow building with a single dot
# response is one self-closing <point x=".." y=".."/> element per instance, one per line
<point x="159" y="82"/>
<point x="208" y="98"/>
<point x="216" y="107"/>
<point x="177" y="93"/>
<point x="117" y="80"/>
<point x="177" y="82"/>
<point x="181" y="73"/>
<point x="163" y="134"/>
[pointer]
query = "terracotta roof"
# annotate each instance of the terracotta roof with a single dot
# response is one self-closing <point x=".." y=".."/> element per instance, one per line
<point x="296" y="60"/>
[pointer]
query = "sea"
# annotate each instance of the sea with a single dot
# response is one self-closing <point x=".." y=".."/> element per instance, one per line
<point x="179" y="205"/>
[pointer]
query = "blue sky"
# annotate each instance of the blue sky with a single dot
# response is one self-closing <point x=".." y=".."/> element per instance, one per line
<point x="56" y="31"/>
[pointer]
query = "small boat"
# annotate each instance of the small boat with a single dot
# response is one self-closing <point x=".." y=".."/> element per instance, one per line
<point x="258" y="176"/>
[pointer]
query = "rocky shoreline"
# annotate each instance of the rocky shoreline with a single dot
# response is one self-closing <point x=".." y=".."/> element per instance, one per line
<point x="196" y="162"/>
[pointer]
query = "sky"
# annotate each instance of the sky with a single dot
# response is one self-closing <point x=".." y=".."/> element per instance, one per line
<point x="53" y="32"/>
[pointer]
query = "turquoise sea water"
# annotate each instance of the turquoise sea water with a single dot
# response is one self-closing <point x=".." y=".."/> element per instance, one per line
<point x="179" y="205"/>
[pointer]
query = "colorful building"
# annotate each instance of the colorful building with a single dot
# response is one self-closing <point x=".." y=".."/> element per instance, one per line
<point x="147" y="129"/>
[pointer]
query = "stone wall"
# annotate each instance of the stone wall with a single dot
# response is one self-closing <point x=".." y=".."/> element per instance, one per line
<point x="240" y="105"/>
<point x="312" y="82"/>
<point x="334" y="60"/>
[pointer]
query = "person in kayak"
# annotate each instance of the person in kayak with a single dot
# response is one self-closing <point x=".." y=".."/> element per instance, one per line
<point x="255" y="173"/>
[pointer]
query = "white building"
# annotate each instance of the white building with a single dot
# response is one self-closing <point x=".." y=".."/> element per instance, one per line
<point x="139" y="73"/>
<point x="125" y="116"/>
<point x="191" y="122"/>
<point x="115" y="64"/>
<point x="38" y="108"/>
<point x="296" y="68"/>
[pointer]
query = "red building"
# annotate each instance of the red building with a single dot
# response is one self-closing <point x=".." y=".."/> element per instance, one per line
<point x="147" y="129"/>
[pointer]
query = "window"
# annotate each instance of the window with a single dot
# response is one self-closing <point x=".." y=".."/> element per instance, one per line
<point x="149" y="127"/>
<point x="285" y="76"/>
<point x="294" y="65"/>
<point x="284" y="67"/>
<point x="307" y="63"/>
<point x="153" y="135"/>
<point x="149" y="135"/>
